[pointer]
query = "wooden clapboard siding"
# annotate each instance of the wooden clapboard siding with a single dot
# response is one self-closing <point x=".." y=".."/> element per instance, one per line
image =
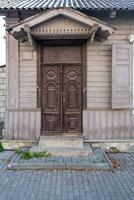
<point x="12" y="66"/>
<point x="23" y="124"/>
<point x="99" y="63"/>
<point x="100" y="122"/>
<point x="108" y="124"/>
<point x="122" y="76"/>
<point x="28" y="76"/>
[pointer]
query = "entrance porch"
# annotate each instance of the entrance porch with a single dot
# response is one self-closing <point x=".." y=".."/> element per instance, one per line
<point x="52" y="101"/>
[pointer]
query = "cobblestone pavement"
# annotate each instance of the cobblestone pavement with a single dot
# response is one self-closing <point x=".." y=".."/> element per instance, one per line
<point x="68" y="185"/>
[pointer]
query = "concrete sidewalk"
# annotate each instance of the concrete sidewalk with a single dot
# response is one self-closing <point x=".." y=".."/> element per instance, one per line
<point x="68" y="185"/>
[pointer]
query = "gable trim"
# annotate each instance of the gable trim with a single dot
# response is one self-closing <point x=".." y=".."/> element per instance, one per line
<point x="76" y="15"/>
<point x="19" y="30"/>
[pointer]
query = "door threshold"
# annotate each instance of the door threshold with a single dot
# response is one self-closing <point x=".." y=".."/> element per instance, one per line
<point x="52" y="134"/>
<point x="61" y="141"/>
<point x="61" y="136"/>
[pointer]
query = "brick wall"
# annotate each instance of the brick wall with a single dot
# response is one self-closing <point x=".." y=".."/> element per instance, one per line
<point x="2" y="92"/>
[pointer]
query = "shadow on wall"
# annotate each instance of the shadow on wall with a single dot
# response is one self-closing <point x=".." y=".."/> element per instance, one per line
<point x="2" y="97"/>
<point x="1" y="128"/>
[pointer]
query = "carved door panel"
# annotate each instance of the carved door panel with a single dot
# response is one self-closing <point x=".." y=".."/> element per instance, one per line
<point x="61" y="99"/>
<point x="72" y="99"/>
<point x="51" y="99"/>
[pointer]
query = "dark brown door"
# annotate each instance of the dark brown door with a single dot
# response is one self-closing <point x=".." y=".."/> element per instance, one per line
<point x="61" y="89"/>
<point x="51" y="99"/>
<point x="72" y="102"/>
<point x="61" y="99"/>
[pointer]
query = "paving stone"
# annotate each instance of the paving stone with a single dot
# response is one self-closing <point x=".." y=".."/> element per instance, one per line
<point x="68" y="185"/>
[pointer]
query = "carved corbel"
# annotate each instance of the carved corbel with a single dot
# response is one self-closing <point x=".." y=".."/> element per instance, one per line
<point x="92" y="34"/>
<point x="30" y="38"/>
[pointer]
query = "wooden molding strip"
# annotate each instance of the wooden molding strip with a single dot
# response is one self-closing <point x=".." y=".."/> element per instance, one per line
<point x="24" y="109"/>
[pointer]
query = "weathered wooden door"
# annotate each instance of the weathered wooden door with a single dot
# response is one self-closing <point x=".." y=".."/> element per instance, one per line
<point x="61" y="89"/>
<point x="51" y="99"/>
<point x="61" y="99"/>
<point x="72" y="99"/>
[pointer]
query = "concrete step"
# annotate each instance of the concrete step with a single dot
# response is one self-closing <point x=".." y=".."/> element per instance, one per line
<point x="61" y="151"/>
<point x="98" y="160"/>
<point x="60" y="142"/>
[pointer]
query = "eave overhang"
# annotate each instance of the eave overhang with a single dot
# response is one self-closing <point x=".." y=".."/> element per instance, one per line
<point x="30" y="29"/>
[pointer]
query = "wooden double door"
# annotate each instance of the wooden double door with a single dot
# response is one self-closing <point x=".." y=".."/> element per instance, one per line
<point x="61" y="99"/>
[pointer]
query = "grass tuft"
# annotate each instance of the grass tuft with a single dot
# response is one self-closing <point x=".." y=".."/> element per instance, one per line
<point x="28" y="155"/>
<point x="1" y="147"/>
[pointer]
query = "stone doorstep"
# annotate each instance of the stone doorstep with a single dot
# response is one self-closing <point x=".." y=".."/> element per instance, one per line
<point x="122" y="145"/>
<point x="61" y="141"/>
<point x="57" y="152"/>
<point x="106" y="164"/>
<point x="60" y="166"/>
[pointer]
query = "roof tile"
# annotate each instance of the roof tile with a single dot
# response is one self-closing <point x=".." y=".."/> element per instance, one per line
<point x="76" y="4"/>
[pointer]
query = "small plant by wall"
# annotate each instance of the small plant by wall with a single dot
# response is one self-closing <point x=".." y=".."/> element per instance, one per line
<point x="2" y="97"/>
<point x="1" y="128"/>
<point x="28" y="155"/>
<point x="2" y="91"/>
<point x="1" y="148"/>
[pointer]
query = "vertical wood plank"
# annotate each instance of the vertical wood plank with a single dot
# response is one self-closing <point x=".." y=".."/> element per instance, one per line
<point x="12" y="68"/>
<point x="38" y="124"/>
<point x="127" y="125"/>
<point x="115" y="124"/>
<point x="6" y="124"/>
<point x="21" y="124"/>
<point x="26" y="124"/>
<point x="16" y="122"/>
<point x="97" y="125"/>
<point x="91" y="124"/>
<point x="11" y="125"/>
<point x="109" y="125"/>
<point x="85" y="123"/>
<point x="121" y="125"/>
<point x="103" y="124"/>
<point x="32" y="125"/>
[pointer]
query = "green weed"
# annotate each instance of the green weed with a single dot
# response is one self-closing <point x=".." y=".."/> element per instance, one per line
<point x="1" y="147"/>
<point x="28" y="155"/>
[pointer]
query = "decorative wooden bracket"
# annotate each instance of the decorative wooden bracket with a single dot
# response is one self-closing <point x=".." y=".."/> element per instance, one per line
<point x="92" y="35"/>
<point x="30" y="38"/>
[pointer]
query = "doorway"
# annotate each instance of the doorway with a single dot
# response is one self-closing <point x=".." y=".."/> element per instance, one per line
<point x="61" y="91"/>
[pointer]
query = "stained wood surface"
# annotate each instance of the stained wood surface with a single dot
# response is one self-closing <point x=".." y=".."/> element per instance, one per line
<point x="99" y="121"/>
<point x="99" y="64"/>
<point x="28" y="76"/>
<point x="108" y="124"/>
<point x="12" y="66"/>
<point x="61" y="90"/>
<point x="122" y="76"/>
<point x="62" y="54"/>
<point x="23" y="124"/>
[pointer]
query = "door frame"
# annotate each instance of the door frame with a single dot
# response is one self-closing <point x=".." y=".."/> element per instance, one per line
<point x="83" y="44"/>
